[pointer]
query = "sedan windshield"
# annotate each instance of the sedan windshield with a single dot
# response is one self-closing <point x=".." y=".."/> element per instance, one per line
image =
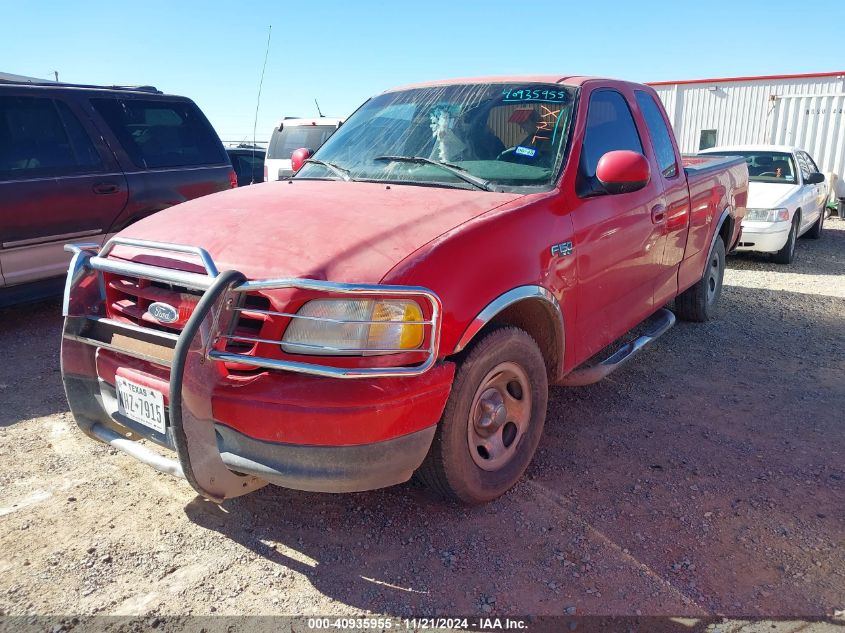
<point x="776" y="167"/>
<point x="496" y="137"/>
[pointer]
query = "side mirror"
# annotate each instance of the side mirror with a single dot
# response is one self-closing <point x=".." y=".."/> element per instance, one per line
<point x="623" y="171"/>
<point x="298" y="157"/>
<point x="814" y="178"/>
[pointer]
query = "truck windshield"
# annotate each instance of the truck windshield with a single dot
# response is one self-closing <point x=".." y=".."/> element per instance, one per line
<point x="491" y="136"/>
<point x="776" y="167"/>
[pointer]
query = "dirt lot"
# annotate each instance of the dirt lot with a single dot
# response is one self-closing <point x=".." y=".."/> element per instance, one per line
<point x="707" y="477"/>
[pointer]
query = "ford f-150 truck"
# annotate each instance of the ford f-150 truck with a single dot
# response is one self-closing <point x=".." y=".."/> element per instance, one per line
<point x="402" y="304"/>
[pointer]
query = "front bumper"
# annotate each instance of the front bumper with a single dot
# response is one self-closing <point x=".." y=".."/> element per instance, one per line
<point x="315" y="468"/>
<point x="299" y="425"/>
<point x="763" y="237"/>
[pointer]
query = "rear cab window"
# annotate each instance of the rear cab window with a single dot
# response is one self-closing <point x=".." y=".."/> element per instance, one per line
<point x="290" y="138"/>
<point x="661" y="139"/>
<point x="158" y="133"/>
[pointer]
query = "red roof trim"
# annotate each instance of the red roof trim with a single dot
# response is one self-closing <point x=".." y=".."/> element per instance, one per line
<point x="750" y="78"/>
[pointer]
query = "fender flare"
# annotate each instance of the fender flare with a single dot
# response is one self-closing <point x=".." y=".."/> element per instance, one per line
<point x="512" y="297"/>
<point x="722" y="219"/>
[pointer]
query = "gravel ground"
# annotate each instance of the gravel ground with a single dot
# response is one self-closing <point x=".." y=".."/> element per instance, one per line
<point x="707" y="477"/>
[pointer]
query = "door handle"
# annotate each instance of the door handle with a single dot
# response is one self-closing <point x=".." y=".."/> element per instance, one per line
<point x="658" y="213"/>
<point x="105" y="188"/>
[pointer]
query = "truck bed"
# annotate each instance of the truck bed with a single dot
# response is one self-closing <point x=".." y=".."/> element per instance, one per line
<point x="716" y="184"/>
<point x="696" y="163"/>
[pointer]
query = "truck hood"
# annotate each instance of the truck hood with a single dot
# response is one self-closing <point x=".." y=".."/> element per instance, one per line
<point x="770" y="195"/>
<point x="339" y="231"/>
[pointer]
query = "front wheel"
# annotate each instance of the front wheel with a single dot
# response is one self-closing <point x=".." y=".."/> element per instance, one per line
<point x="815" y="231"/>
<point x="699" y="302"/>
<point x="493" y="420"/>
<point x="787" y="253"/>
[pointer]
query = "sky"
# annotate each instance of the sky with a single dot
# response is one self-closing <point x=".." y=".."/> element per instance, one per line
<point x="341" y="53"/>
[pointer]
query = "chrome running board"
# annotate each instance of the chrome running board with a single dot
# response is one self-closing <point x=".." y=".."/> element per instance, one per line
<point x="665" y="319"/>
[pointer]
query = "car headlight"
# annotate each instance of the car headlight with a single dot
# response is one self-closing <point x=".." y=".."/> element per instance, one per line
<point x="767" y="215"/>
<point x="355" y="327"/>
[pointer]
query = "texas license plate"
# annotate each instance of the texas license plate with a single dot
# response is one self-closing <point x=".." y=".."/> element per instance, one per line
<point x="141" y="404"/>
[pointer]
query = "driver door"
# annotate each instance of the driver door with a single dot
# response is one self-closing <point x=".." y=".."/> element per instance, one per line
<point x="618" y="238"/>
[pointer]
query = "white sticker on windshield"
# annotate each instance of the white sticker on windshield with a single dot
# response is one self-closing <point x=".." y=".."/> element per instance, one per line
<point x="526" y="151"/>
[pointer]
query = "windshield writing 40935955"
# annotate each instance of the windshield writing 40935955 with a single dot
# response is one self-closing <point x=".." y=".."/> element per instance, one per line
<point x="534" y="94"/>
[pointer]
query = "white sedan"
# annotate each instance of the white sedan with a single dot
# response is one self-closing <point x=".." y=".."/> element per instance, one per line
<point x="786" y="198"/>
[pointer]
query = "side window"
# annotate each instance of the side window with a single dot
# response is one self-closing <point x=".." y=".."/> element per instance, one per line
<point x="33" y="140"/>
<point x="803" y="165"/>
<point x="157" y="133"/>
<point x="707" y="139"/>
<point x="247" y="167"/>
<point x="661" y="139"/>
<point x="86" y="153"/>
<point x="811" y="164"/>
<point x="610" y="126"/>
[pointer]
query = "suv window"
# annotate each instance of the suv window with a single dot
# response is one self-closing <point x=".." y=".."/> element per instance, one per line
<point x="159" y="133"/>
<point x="660" y="137"/>
<point x="610" y="126"/>
<point x="34" y="141"/>
<point x="289" y="139"/>
<point x="86" y="153"/>
<point x="249" y="166"/>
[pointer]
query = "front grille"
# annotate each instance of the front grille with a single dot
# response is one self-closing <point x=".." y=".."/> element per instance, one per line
<point x="128" y="300"/>
<point x="249" y="324"/>
<point x="130" y="293"/>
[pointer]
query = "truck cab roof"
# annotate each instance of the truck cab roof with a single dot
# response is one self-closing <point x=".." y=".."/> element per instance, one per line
<point x="297" y="122"/>
<point x="570" y="80"/>
<point x="757" y="147"/>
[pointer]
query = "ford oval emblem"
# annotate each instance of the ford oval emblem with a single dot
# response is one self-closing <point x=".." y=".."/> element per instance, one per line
<point x="163" y="312"/>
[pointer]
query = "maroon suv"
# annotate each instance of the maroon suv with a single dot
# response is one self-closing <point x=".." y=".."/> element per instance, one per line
<point x="80" y="163"/>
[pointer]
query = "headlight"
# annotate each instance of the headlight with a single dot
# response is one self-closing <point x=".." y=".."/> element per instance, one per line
<point x="355" y="327"/>
<point x="767" y="215"/>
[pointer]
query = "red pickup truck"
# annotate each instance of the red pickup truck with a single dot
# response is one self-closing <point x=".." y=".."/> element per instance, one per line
<point x="403" y="303"/>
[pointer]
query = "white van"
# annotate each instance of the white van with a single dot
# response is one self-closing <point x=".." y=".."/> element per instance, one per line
<point x="291" y="134"/>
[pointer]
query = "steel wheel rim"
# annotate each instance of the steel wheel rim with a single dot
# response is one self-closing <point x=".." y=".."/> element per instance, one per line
<point x="713" y="278"/>
<point x="499" y="416"/>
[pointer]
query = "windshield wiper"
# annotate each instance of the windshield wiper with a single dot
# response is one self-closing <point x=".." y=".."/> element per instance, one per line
<point x="460" y="172"/>
<point x="340" y="171"/>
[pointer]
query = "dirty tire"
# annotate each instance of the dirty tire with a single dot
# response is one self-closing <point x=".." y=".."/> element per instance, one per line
<point x="787" y="253"/>
<point x="700" y="302"/>
<point x="494" y="370"/>
<point x="815" y="231"/>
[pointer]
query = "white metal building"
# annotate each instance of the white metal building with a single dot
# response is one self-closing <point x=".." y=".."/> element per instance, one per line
<point x="806" y="111"/>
